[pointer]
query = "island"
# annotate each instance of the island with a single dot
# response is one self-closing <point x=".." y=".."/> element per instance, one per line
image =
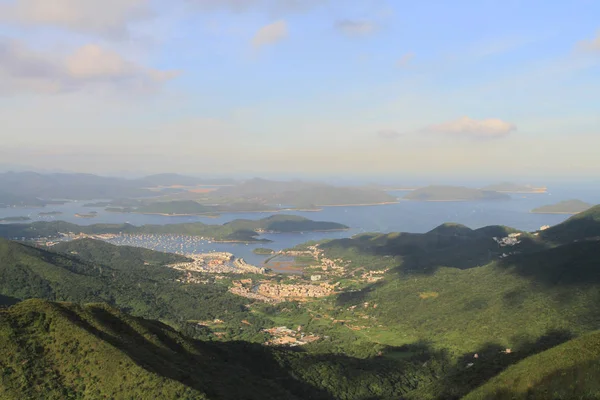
<point x="92" y="214"/>
<point x="98" y="204"/>
<point x="570" y="207"/>
<point x="50" y="213"/>
<point x="14" y="219"/>
<point x="454" y="193"/>
<point x="263" y="251"/>
<point x="240" y="230"/>
<point x="508" y="187"/>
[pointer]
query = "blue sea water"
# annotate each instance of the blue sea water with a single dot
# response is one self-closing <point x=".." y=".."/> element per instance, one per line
<point x="404" y="216"/>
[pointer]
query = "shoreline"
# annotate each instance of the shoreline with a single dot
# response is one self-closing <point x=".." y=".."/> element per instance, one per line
<point x="556" y="212"/>
<point x="360" y="205"/>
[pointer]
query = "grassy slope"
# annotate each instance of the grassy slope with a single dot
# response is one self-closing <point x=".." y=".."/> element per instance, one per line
<point x="62" y="350"/>
<point x="503" y="302"/>
<point x="568" y="371"/>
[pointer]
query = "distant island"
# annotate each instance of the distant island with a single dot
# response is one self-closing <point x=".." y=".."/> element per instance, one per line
<point x="454" y="193"/>
<point x="263" y="251"/>
<point x="14" y="219"/>
<point x="98" y="204"/>
<point x="508" y="187"/>
<point x="49" y="213"/>
<point x="239" y="230"/>
<point x="563" y="207"/>
<point x="92" y="214"/>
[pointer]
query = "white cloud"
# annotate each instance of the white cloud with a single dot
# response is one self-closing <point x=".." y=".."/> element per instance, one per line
<point x="355" y="28"/>
<point x="405" y="60"/>
<point x="591" y="44"/>
<point x="110" y="18"/>
<point x="479" y="129"/>
<point x="270" y="34"/>
<point x="23" y="69"/>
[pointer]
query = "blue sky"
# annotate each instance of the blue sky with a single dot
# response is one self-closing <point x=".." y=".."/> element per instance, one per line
<point x="433" y="88"/>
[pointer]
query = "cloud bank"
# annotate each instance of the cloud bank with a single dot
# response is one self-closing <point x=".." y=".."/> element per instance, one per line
<point x="24" y="69"/>
<point x="107" y="18"/>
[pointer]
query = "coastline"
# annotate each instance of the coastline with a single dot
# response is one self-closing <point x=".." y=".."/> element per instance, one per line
<point x="556" y="212"/>
<point x="360" y="205"/>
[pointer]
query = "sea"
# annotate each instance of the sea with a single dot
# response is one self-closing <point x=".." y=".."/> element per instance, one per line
<point x="404" y="216"/>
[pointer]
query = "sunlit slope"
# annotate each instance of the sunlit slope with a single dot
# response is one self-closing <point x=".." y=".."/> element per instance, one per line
<point x="523" y="295"/>
<point x="568" y="371"/>
<point x="62" y="350"/>
<point x="58" y="351"/>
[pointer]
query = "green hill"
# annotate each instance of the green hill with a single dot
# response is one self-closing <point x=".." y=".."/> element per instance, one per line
<point x="580" y="226"/>
<point x="563" y="207"/>
<point x="568" y="371"/>
<point x="454" y="193"/>
<point x="63" y="350"/>
<point x="237" y="230"/>
<point x="135" y="280"/>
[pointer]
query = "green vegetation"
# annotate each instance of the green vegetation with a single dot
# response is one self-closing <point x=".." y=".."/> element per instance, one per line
<point x="579" y="227"/>
<point x="263" y="251"/>
<point x="563" y="207"/>
<point x="65" y="350"/>
<point x="487" y="313"/>
<point x="454" y="193"/>
<point x="238" y="230"/>
<point x="132" y="279"/>
<point x="568" y="371"/>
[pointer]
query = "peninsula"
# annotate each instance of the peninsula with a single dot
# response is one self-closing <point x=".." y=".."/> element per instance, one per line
<point x="508" y="187"/>
<point x="240" y="230"/>
<point x="453" y="193"/>
<point x="570" y="207"/>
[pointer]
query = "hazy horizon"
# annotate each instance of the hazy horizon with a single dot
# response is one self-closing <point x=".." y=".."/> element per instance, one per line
<point x="506" y="91"/>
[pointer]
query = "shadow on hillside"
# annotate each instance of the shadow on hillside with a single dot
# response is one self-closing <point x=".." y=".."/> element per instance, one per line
<point x="570" y="264"/>
<point x="491" y="360"/>
<point x="425" y="253"/>
<point x="577" y="382"/>
<point x="229" y="370"/>
<point x="7" y="301"/>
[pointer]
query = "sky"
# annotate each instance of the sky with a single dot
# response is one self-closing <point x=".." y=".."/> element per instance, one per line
<point x="469" y="88"/>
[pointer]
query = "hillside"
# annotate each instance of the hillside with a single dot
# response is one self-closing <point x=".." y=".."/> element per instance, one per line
<point x="563" y="207"/>
<point x="568" y="371"/>
<point x="130" y="278"/>
<point x="578" y="227"/>
<point x="453" y="193"/>
<point x="69" y="186"/>
<point x="238" y="230"/>
<point x="183" y="180"/>
<point x="302" y="194"/>
<point x="65" y="350"/>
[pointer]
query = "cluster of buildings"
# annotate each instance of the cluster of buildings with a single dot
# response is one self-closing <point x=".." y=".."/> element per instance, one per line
<point x="283" y="336"/>
<point x="277" y="292"/>
<point x="217" y="263"/>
